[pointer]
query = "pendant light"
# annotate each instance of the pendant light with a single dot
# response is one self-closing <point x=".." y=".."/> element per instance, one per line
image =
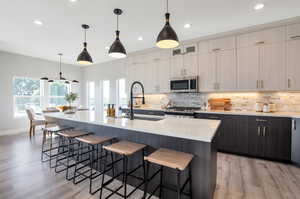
<point x="60" y="78"/>
<point x="167" y="37"/>
<point x="60" y="73"/>
<point x="117" y="49"/>
<point x="84" y="57"/>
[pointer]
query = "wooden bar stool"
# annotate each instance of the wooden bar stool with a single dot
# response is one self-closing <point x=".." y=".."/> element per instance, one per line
<point x="93" y="143"/>
<point x="125" y="149"/>
<point x="67" y="151"/>
<point x="176" y="160"/>
<point x="48" y="152"/>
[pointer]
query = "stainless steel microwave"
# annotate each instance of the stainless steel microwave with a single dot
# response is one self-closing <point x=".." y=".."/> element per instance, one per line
<point x="184" y="84"/>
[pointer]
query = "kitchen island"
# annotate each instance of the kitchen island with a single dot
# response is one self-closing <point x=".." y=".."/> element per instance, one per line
<point x="195" y="136"/>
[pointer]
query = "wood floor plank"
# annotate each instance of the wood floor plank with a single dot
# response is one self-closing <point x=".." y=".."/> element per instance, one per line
<point x="22" y="175"/>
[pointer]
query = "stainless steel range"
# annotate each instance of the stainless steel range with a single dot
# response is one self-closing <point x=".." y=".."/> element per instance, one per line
<point x="181" y="112"/>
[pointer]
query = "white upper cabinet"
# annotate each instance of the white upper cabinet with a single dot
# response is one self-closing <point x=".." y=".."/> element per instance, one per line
<point x="184" y="61"/>
<point x="269" y="36"/>
<point x="273" y="67"/>
<point x="293" y="57"/>
<point x="293" y="32"/>
<point x="248" y="68"/>
<point x="261" y="60"/>
<point x="226" y="43"/>
<point x="162" y="81"/>
<point x="207" y="72"/>
<point x="177" y="69"/>
<point x="217" y="65"/>
<point x="226" y="70"/>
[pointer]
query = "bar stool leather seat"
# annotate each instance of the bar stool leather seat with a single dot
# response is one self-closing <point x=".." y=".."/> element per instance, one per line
<point x="125" y="147"/>
<point x="170" y="158"/>
<point x="93" y="139"/>
<point x="73" y="133"/>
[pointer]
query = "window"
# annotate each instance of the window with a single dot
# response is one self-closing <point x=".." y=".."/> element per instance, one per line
<point x="105" y="96"/>
<point x="26" y="94"/>
<point x="121" y="93"/>
<point x="91" y="95"/>
<point x="57" y="92"/>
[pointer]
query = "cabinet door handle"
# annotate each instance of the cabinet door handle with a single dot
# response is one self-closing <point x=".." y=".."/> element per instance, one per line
<point x="289" y="83"/>
<point x="259" y="42"/>
<point x="264" y="131"/>
<point x="258" y="130"/>
<point x="295" y="37"/>
<point x="262" y="83"/>
<point x="257" y="83"/>
<point x="216" y="49"/>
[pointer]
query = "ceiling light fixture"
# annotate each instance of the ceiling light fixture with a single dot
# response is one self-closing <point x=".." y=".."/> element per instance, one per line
<point x="188" y="25"/>
<point x="61" y="78"/>
<point x="167" y="37"/>
<point x="140" y="38"/>
<point x="117" y="49"/>
<point x="259" y="6"/>
<point x="72" y="1"/>
<point x="84" y="57"/>
<point x="38" y="22"/>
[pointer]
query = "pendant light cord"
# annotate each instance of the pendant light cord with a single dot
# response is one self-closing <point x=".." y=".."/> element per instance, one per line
<point x="167" y="6"/>
<point x="85" y="44"/>
<point x="60" y="64"/>
<point x="117" y="22"/>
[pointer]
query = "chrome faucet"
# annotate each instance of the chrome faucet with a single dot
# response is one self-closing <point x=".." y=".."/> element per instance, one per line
<point x="132" y="97"/>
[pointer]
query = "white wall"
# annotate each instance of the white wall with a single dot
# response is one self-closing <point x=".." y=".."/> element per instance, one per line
<point x="112" y="71"/>
<point x="18" y="65"/>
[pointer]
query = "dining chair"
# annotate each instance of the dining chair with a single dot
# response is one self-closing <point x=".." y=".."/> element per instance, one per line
<point x="35" y="120"/>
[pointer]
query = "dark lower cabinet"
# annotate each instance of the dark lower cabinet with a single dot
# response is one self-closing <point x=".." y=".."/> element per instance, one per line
<point x="265" y="137"/>
<point x="233" y="134"/>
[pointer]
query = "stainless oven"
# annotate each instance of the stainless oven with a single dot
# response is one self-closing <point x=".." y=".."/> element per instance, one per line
<point x="184" y="84"/>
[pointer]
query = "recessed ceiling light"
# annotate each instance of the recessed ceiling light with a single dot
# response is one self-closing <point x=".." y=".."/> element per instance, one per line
<point x="38" y="22"/>
<point x="259" y="6"/>
<point x="140" y="38"/>
<point x="72" y="1"/>
<point x="188" y="25"/>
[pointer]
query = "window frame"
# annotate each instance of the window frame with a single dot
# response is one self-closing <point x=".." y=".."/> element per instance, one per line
<point x="49" y="96"/>
<point x="40" y="96"/>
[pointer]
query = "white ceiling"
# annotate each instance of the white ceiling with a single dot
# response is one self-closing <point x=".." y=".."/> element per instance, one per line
<point x="62" y="20"/>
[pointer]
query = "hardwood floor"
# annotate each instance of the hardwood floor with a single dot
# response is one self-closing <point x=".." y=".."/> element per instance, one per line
<point x="22" y="175"/>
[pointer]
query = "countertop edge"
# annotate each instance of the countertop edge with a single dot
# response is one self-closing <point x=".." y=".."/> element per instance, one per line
<point x="139" y="130"/>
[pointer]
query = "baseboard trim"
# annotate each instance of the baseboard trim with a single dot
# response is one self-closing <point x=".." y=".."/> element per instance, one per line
<point x="13" y="131"/>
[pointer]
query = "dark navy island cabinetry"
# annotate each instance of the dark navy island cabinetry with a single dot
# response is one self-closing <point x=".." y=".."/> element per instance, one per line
<point x="257" y="136"/>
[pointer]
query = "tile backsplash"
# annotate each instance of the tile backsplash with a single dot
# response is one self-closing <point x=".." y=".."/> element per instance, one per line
<point x="285" y="101"/>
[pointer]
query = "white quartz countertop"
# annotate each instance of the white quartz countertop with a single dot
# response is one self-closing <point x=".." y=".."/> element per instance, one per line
<point x="193" y="129"/>
<point x="253" y="113"/>
<point x="241" y="112"/>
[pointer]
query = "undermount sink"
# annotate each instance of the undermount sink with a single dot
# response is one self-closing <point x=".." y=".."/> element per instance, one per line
<point x="146" y="118"/>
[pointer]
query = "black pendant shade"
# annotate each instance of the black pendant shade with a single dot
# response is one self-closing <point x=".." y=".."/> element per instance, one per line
<point x="167" y="38"/>
<point x="61" y="78"/>
<point x="84" y="57"/>
<point x="117" y="49"/>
